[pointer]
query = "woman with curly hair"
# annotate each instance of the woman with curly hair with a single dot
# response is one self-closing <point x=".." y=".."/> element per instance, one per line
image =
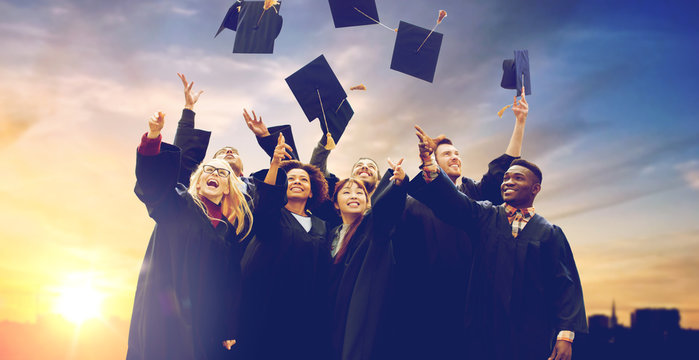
<point x="187" y="303"/>
<point x="286" y="266"/>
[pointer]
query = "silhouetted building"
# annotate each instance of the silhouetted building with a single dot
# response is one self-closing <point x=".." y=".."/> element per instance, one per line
<point x="613" y="321"/>
<point x="598" y="322"/>
<point x="655" y="320"/>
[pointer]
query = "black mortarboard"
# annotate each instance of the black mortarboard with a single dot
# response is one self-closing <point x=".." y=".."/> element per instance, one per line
<point x="513" y="70"/>
<point x="316" y="77"/>
<point x="337" y="118"/>
<point x="268" y="143"/>
<point x="353" y="12"/>
<point x="257" y="28"/>
<point x="406" y="56"/>
<point x="231" y="19"/>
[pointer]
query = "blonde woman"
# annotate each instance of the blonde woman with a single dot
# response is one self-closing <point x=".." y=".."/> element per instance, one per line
<point x="188" y="293"/>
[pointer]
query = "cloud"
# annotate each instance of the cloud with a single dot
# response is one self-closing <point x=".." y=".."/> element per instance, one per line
<point x="690" y="173"/>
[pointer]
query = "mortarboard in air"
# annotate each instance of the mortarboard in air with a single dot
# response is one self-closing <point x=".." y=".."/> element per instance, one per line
<point x="416" y="51"/>
<point x="268" y="143"/>
<point x="321" y="96"/>
<point x="515" y="73"/>
<point x="353" y="12"/>
<point x="259" y="24"/>
<point x="231" y="19"/>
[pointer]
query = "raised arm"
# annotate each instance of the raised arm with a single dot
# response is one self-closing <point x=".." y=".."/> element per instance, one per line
<point x="521" y="109"/>
<point x="389" y="201"/>
<point x="193" y="142"/>
<point x="157" y="167"/>
<point x="434" y="188"/>
<point x="266" y="137"/>
<point x="320" y="155"/>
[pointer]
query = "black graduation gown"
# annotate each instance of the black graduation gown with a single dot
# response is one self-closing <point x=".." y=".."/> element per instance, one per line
<point x="433" y="267"/>
<point x="522" y="290"/>
<point x="362" y="285"/>
<point x="188" y="294"/>
<point x="285" y="269"/>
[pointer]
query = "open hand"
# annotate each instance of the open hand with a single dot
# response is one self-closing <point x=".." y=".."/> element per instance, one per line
<point x="427" y="144"/>
<point x="280" y="151"/>
<point x="256" y="126"/>
<point x="190" y="98"/>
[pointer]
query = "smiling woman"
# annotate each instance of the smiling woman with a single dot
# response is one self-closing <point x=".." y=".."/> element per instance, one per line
<point x="79" y="303"/>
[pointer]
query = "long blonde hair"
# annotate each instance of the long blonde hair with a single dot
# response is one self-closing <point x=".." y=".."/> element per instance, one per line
<point x="233" y="206"/>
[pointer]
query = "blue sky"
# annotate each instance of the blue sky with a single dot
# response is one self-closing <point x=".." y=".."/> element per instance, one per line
<point x="611" y="123"/>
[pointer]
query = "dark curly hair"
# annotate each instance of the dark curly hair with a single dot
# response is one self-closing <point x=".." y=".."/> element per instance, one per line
<point x="319" y="186"/>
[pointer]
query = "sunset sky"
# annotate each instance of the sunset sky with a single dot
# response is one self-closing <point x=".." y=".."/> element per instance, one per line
<point x="612" y="124"/>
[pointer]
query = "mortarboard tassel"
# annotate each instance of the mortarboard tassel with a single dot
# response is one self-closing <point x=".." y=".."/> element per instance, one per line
<point x="502" y="111"/>
<point x="268" y="4"/>
<point x="329" y="142"/>
<point x="440" y="17"/>
<point x="374" y="20"/>
<point x="358" y="87"/>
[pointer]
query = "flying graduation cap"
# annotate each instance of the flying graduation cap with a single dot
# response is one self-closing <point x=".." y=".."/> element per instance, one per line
<point x="354" y="12"/>
<point x="515" y="74"/>
<point x="256" y="23"/>
<point x="231" y="19"/>
<point x="321" y="96"/>
<point x="416" y="50"/>
<point x="268" y="143"/>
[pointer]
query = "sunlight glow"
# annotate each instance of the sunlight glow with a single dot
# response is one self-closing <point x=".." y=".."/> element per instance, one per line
<point x="79" y="303"/>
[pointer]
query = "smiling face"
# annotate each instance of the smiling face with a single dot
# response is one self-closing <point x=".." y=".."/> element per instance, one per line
<point x="299" y="185"/>
<point x="213" y="181"/>
<point x="519" y="187"/>
<point x="448" y="159"/>
<point x="351" y="199"/>
<point x="230" y="155"/>
<point x="367" y="171"/>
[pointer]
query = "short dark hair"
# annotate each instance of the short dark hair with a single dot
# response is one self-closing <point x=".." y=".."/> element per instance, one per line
<point x="444" y="141"/>
<point x="319" y="186"/>
<point x="529" y="165"/>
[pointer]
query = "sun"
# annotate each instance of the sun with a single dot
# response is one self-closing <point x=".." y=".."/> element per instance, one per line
<point x="79" y="303"/>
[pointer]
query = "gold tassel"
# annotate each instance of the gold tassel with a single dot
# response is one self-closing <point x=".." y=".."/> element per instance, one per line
<point x="329" y="142"/>
<point x="502" y="111"/>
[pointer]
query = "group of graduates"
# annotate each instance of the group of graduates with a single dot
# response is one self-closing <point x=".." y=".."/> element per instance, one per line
<point x="295" y="263"/>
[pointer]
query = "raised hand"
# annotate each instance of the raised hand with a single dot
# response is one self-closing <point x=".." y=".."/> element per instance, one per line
<point x="190" y="98"/>
<point x="155" y="124"/>
<point x="256" y="126"/>
<point x="427" y="144"/>
<point x="398" y="172"/>
<point x="280" y="151"/>
<point x="228" y="344"/>
<point x="520" y="109"/>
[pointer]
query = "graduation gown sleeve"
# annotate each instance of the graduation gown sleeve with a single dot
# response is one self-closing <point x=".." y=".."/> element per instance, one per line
<point x="193" y="143"/>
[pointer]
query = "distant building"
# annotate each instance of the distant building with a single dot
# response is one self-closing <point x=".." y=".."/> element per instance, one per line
<point x="598" y="323"/>
<point x="613" y="321"/>
<point x="655" y="320"/>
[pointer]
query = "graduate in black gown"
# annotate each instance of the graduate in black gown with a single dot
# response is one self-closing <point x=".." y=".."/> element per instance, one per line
<point x="286" y="266"/>
<point x="434" y="258"/>
<point x="187" y="303"/>
<point x="524" y="299"/>
<point x="362" y="272"/>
